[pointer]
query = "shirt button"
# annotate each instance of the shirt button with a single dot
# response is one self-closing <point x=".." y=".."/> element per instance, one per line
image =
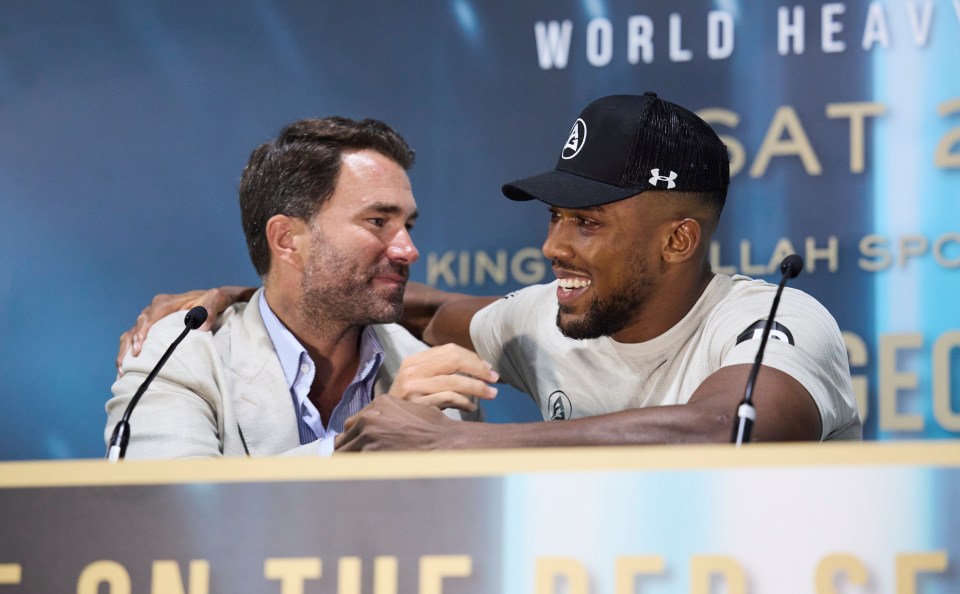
<point x="304" y="368"/>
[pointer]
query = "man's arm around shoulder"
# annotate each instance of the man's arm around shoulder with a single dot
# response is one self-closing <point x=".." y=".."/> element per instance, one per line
<point x="440" y="317"/>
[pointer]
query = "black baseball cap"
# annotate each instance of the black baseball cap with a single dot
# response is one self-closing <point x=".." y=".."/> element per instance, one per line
<point x="623" y="145"/>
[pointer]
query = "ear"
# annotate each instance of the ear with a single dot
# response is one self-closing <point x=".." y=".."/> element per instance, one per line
<point x="289" y="240"/>
<point x="683" y="240"/>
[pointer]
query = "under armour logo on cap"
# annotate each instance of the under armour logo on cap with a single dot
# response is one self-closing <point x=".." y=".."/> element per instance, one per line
<point x="578" y="136"/>
<point x="671" y="184"/>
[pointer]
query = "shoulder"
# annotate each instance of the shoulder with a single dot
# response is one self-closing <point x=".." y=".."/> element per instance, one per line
<point x="743" y="294"/>
<point x="197" y="345"/>
<point x="514" y="314"/>
<point x="240" y="321"/>
<point x="397" y="341"/>
<point x="741" y="314"/>
<point x="162" y="334"/>
<point x="531" y="293"/>
<point x="520" y="301"/>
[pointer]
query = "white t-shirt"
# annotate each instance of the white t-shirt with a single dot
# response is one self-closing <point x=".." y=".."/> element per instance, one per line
<point x="572" y="379"/>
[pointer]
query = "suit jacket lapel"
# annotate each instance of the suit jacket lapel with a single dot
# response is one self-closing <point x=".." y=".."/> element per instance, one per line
<point x="260" y="395"/>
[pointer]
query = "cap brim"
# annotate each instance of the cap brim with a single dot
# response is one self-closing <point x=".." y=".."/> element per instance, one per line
<point x="566" y="190"/>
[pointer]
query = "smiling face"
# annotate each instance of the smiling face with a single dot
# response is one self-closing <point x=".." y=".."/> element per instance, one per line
<point x="360" y="245"/>
<point x="609" y="266"/>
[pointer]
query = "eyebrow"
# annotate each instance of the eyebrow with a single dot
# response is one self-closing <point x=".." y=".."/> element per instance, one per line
<point x="597" y="209"/>
<point x="392" y="209"/>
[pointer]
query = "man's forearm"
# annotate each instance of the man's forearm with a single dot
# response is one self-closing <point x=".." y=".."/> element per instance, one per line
<point x="393" y="424"/>
<point x="786" y="412"/>
<point x="439" y="317"/>
<point x="420" y="305"/>
<point x="656" y="425"/>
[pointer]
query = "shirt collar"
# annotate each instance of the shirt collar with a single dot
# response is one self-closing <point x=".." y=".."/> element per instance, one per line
<point x="285" y="344"/>
<point x="371" y="354"/>
<point x="291" y="353"/>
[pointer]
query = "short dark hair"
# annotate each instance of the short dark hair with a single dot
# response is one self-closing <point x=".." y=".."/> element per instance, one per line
<point x="714" y="200"/>
<point x="296" y="173"/>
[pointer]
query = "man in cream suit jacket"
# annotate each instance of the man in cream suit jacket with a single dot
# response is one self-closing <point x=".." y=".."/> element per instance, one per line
<point x="327" y="210"/>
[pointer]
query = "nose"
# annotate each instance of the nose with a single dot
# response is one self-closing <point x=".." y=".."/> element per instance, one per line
<point x="401" y="248"/>
<point x="557" y="246"/>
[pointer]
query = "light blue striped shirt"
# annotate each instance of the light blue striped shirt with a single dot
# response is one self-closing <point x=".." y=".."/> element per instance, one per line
<point x="299" y="370"/>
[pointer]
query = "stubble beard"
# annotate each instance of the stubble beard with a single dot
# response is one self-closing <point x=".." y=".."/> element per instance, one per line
<point x="608" y="316"/>
<point x="338" y="290"/>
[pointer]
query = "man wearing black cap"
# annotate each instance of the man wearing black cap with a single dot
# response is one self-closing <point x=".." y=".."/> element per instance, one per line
<point x="637" y="341"/>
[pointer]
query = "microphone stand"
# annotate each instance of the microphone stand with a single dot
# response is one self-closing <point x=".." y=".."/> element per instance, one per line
<point x="790" y="267"/>
<point x="121" y="433"/>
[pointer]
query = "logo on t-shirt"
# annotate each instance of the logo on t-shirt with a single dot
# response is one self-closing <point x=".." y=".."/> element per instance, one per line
<point x="778" y="332"/>
<point x="559" y="406"/>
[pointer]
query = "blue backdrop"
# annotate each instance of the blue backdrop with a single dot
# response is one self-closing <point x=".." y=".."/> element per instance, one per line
<point x="126" y="125"/>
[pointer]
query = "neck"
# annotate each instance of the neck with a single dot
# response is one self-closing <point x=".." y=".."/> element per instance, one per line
<point x="334" y="346"/>
<point x="669" y="302"/>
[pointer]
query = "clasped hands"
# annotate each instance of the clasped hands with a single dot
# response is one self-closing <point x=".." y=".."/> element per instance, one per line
<point x="409" y="416"/>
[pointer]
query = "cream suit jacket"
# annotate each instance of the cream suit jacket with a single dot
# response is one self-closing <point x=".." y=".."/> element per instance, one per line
<point x="221" y="385"/>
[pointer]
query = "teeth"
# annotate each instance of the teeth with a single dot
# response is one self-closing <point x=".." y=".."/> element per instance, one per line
<point x="568" y="284"/>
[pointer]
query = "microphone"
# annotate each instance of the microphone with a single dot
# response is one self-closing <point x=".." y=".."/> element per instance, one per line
<point x="121" y="433"/>
<point x="790" y="267"/>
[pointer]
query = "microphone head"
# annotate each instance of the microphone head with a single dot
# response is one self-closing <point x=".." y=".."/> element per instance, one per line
<point x="197" y="316"/>
<point x="791" y="266"/>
